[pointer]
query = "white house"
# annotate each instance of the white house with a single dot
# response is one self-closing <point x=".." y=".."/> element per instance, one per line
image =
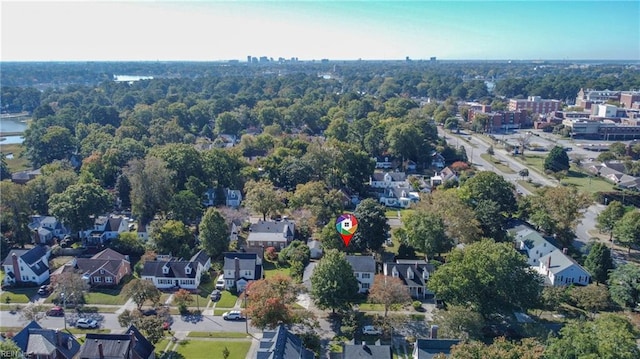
<point x="384" y="162"/>
<point x="559" y="269"/>
<point x="447" y="174"/>
<point x="388" y="179"/>
<point x="364" y="268"/>
<point x="176" y="273"/>
<point x="532" y="244"/>
<point x="240" y="268"/>
<point x="105" y="229"/>
<point x="413" y="273"/>
<point x="233" y="197"/>
<point x="399" y="197"/>
<point x="46" y="228"/>
<point x="27" y="265"/>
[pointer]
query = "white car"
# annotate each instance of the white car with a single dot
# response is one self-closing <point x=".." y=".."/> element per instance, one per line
<point x="233" y="315"/>
<point x="220" y="282"/>
<point x="86" y="323"/>
<point x="371" y="330"/>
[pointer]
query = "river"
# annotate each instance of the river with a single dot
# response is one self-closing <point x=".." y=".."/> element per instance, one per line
<point x="14" y="126"/>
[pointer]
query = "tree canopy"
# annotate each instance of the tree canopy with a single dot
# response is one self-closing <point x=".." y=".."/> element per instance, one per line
<point x="214" y="233"/>
<point x="557" y="160"/>
<point x="487" y="276"/>
<point x="372" y="226"/>
<point x="333" y="284"/>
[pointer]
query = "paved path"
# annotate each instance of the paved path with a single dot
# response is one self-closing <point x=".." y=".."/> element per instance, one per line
<point x="129" y="305"/>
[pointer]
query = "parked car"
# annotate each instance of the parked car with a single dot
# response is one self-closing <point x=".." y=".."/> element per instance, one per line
<point x="233" y="315"/>
<point x="84" y="323"/>
<point x="55" y="312"/>
<point x="216" y="295"/>
<point x="371" y="330"/>
<point x="220" y="282"/>
<point x="44" y="290"/>
<point x="150" y="311"/>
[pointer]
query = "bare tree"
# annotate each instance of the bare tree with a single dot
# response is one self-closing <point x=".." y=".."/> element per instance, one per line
<point x="32" y="311"/>
<point x="69" y="288"/>
<point x="389" y="291"/>
<point x="523" y="141"/>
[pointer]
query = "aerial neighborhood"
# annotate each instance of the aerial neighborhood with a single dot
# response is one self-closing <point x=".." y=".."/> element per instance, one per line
<point x="191" y="212"/>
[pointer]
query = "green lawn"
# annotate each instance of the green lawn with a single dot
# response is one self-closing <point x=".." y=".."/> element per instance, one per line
<point x="371" y="306"/>
<point x="17" y="295"/>
<point x="18" y="162"/>
<point x="528" y="185"/>
<point x="586" y="183"/>
<point x="219" y="312"/>
<point x="271" y="269"/>
<point x="105" y="297"/>
<point x="217" y="335"/>
<point x="500" y="166"/>
<point x="213" y="349"/>
<point x="227" y="300"/>
<point x="161" y="346"/>
<point x="533" y="162"/>
<point x="85" y="331"/>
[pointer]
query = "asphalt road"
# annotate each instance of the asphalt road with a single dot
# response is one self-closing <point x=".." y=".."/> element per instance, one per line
<point x="110" y="321"/>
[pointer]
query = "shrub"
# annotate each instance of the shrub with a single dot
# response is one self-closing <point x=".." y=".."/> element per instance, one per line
<point x="417" y="305"/>
<point x="271" y="254"/>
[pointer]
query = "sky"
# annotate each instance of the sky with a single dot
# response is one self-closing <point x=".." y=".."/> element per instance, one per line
<point x="313" y="30"/>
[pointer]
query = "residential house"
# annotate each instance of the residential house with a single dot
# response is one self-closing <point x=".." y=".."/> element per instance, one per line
<point x="129" y="345"/>
<point x="432" y="347"/>
<point x="401" y="197"/>
<point x="231" y="197"/>
<point x="384" y="162"/>
<point x="366" y="351"/>
<point x="276" y="234"/>
<point x="531" y="243"/>
<point x="105" y="229"/>
<point x="447" y="174"/>
<point x="364" y="268"/>
<point x="37" y="342"/>
<point x="437" y="160"/>
<point x="141" y="231"/>
<point x="104" y="269"/>
<point x="315" y="249"/>
<point x="412" y="166"/>
<point x="46" y="229"/>
<point x="282" y="344"/>
<point x="559" y="269"/>
<point x="27" y="265"/>
<point x="23" y="177"/>
<point x="240" y="268"/>
<point x="413" y="273"/>
<point x="388" y="179"/>
<point x="176" y="273"/>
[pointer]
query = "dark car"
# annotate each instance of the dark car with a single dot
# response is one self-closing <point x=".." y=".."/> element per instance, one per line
<point x="216" y="295"/>
<point x="55" y="312"/>
<point x="149" y="312"/>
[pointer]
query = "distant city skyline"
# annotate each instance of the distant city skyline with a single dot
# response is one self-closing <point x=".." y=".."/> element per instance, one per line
<point x="314" y="30"/>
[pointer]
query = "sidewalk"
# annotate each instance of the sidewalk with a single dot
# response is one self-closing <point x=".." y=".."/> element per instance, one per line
<point x="129" y="305"/>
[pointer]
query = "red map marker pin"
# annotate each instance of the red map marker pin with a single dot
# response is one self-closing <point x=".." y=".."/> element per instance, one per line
<point x="346" y="225"/>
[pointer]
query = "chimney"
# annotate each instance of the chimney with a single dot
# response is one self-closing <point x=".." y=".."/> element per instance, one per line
<point x="236" y="263"/>
<point x="565" y="250"/>
<point x="434" y="332"/>
<point x="548" y="265"/>
<point x="58" y="338"/>
<point x="132" y="334"/>
<point x="16" y="267"/>
<point x="101" y="350"/>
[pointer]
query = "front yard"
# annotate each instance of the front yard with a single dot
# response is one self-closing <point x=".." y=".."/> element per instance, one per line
<point x="17" y="295"/>
<point x="238" y="349"/>
<point x="105" y="297"/>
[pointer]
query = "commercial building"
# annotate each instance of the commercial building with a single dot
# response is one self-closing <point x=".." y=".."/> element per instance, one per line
<point x="535" y="104"/>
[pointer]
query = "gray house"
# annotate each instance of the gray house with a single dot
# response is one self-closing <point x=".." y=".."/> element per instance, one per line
<point x="282" y="344"/>
<point x="240" y="268"/>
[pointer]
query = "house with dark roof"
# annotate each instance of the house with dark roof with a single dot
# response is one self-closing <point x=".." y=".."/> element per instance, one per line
<point x="27" y="265"/>
<point x="266" y="234"/>
<point x="45" y="229"/>
<point x="37" y="342"/>
<point x="240" y="268"/>
<point x="366" y="351"/>
<point x="384" y="162"/>
<point x="129" y="345"/>
<point x="23" y="177"/>
<point x="413" y="273"/>
<point x="228" y="197"/>
<point x="176" y="272"/>
<point x="388" y="179"/>
<point x="437" y="160"/>
<point x="432" y="347"/>
<point x="400" y="197"/>
<point x="106" y="268"/>
<point x="364" y="269"/>
<point x="559" y="269"/>
<point x="105" y="229"/>
<point x="282" y="344"/>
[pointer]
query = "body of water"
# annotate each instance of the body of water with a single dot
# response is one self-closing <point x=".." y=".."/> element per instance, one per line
<point x="13" y="125"/>
<point x="10" y="140"/>
<point x="130" y="78"/>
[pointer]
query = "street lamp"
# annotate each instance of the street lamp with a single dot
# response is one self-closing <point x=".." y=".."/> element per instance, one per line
<point x="246" y="319"/>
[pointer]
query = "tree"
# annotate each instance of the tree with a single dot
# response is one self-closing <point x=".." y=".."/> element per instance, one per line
<point x="32" y="311"/>
<point x="225" y="353"/>
<point x="599" y="262"/>
<point x="388" y="291"/>
<point x="5" y="173"/>
<point x="182" y="298"/>
<point x="558" y="209"/>
<point x="214" y="233"/>
<point x="624" y="286"/>
<point x="263" y="198"/>
<point x="10" y="348"/>
<point x="523" y="173"/>
<point x="270" y="301"/>
<point x="501" y="348"/>
<point x="459" y="322"/>
<point x="468" y="273"/>
<point x="296" y="251"/>
<point x="557" y="160"/>
<point x="607" y="337"/>
<point x="151" y="185"/>
<point x="14" y="213"/>
<point x="128" y="243"/>
<point x="69" y="288"/>
<point x="150" y="326"/>
<point x="627" y="230"/>
<point x="141" y="291"/>
<point x="425" y="231"/>
<point x="185" y="206"/>
<point x="592" y="298"/>
<point x="486" y="186"/>
<point x="372" y="226"/>
<point x="608" y="218"/>
<point x="173" y="237"/>
<point x="523" y="141"/>
<point x="553" y="297"/>
<point x="333" y="284"/>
